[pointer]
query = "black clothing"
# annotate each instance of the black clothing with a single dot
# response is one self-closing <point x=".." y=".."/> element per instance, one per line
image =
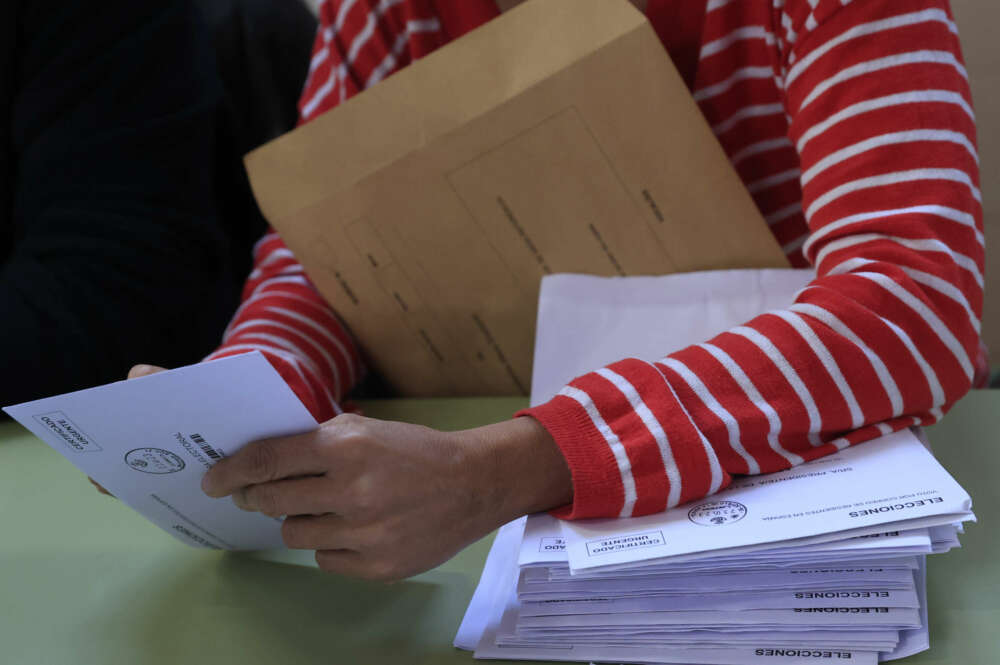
<point x="126" y="222"/>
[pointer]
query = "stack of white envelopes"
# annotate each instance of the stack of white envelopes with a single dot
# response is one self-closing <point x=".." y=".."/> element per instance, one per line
<point x="823" y="562"/>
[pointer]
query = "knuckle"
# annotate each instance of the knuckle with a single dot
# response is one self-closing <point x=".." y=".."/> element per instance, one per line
<point x="294" y="535"/>
<point x="262" y="461"/>
<point x="349" y="419"/>
<point x="352" y="430"/>
<point x="265" y="499"/>
<point x="364" y="507"/>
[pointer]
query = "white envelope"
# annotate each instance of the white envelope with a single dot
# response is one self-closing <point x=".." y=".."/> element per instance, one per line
<point x="850" y="492"/>
<point x="150" y="440"/>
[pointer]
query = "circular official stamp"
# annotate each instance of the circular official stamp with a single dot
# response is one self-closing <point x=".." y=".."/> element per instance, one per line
<point x="153" y="460"/>
<point x="717" y="513"/>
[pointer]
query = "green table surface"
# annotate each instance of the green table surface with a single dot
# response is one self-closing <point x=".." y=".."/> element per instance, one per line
<point x="83" y="579"/>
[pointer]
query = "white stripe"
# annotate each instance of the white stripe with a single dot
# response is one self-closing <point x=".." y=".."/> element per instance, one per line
<point x="288" y="345"/>
<point x="750" y="390"/>
<point x="371" y="20"/>
<point x="896" y="177"/>
<point x="617" y="449"/>
<point x="881" y="371"/>
<point x="282" y="279"/>
<point x="773" y="180"/>
<point x="947" y="289"/>
<point x="321" y="92"/>
<point x="790" y="247"/>
<point x="654" y="428"/>
<point x="942" y="286"/>
<point x="868" y="29"/>
<point x="840" y="443"/>
<point x="716" y="4"/>
<point x="713" y="461"/>
<point x="892" y="138"/>
<point x="295" y="268"/>
<point x="271" y="323"/>
<point x="329" y="336"/>
<point x="389" y="61"/>
<point x="763" y="343"/>
<point x="320" y="57"/>
<point x="703" y="393"/>
<point x="952" y="214"/>
<point x="782" y="214"/>
<point x="911" y="97"/>
<point x="937" y="392"/>
<point x="878" y="64"/>
<point x="790" y="34"/>
<point x="341" y="17"/>
<point x="750" y="111"/>
<point x="916" y="244"/>
<point x="737" y="76"/>
<point x="849" y="265"/>
<point x="267" y="237"/>
<point x="759" y="147"/>
<point x="739" y="34"/>
<point x="927" y="314"/>
<point x="826" y="358"/>
<point x="275" y="255"/>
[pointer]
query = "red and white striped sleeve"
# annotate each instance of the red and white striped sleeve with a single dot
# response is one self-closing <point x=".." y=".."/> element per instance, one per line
<point x="284" y="317"/>
<point x="887" y="334"/>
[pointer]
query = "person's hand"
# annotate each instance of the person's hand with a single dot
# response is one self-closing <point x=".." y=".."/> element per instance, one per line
<point x="134" y="373"/>
<point x="387" y="500"/>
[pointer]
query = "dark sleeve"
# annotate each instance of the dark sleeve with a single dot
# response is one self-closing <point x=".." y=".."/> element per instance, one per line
<point x="116" y="255"/>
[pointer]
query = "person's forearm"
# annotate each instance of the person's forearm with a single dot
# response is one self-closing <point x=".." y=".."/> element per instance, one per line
<point x="519" y="462"/>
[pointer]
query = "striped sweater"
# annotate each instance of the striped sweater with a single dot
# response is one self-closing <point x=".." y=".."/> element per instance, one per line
<point x="850" y="123"/>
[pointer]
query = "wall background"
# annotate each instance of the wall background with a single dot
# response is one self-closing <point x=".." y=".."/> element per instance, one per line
<point x="978" y="24"/>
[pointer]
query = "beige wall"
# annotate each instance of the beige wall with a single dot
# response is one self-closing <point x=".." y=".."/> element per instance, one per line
<point x="979" y="28"/>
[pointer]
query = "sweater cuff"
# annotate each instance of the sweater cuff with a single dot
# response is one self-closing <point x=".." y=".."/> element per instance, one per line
<point x="630" y="445"/>
<point x="597" y="486"/>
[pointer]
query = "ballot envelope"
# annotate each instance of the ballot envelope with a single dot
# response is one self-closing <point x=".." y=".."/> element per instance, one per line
<point x="556" y="138"/>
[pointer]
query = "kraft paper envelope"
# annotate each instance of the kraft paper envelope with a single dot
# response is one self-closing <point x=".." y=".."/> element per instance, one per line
<point x="556" y="138"/>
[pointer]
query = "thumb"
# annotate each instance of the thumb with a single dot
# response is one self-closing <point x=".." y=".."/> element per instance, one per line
<point x="143" y="370"/>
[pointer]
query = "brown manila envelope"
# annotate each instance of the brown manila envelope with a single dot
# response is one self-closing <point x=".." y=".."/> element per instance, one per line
<point x="556" y="138"/>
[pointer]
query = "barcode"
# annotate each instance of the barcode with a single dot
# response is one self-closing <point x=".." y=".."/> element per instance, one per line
<point x="208" y="450"/>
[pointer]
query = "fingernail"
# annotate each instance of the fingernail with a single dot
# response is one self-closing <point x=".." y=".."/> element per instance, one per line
<point x="206" y="485"/>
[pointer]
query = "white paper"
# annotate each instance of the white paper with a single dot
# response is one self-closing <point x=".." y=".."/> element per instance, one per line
<point x="917" y="639"/>
<point x="150" y="440"/>
<point x="586" y="322"/>
<point x="850" y="490"/>
<point x="729" y="600"/>
<point x="609" y="650"/>
<point x="490" y="590"/>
